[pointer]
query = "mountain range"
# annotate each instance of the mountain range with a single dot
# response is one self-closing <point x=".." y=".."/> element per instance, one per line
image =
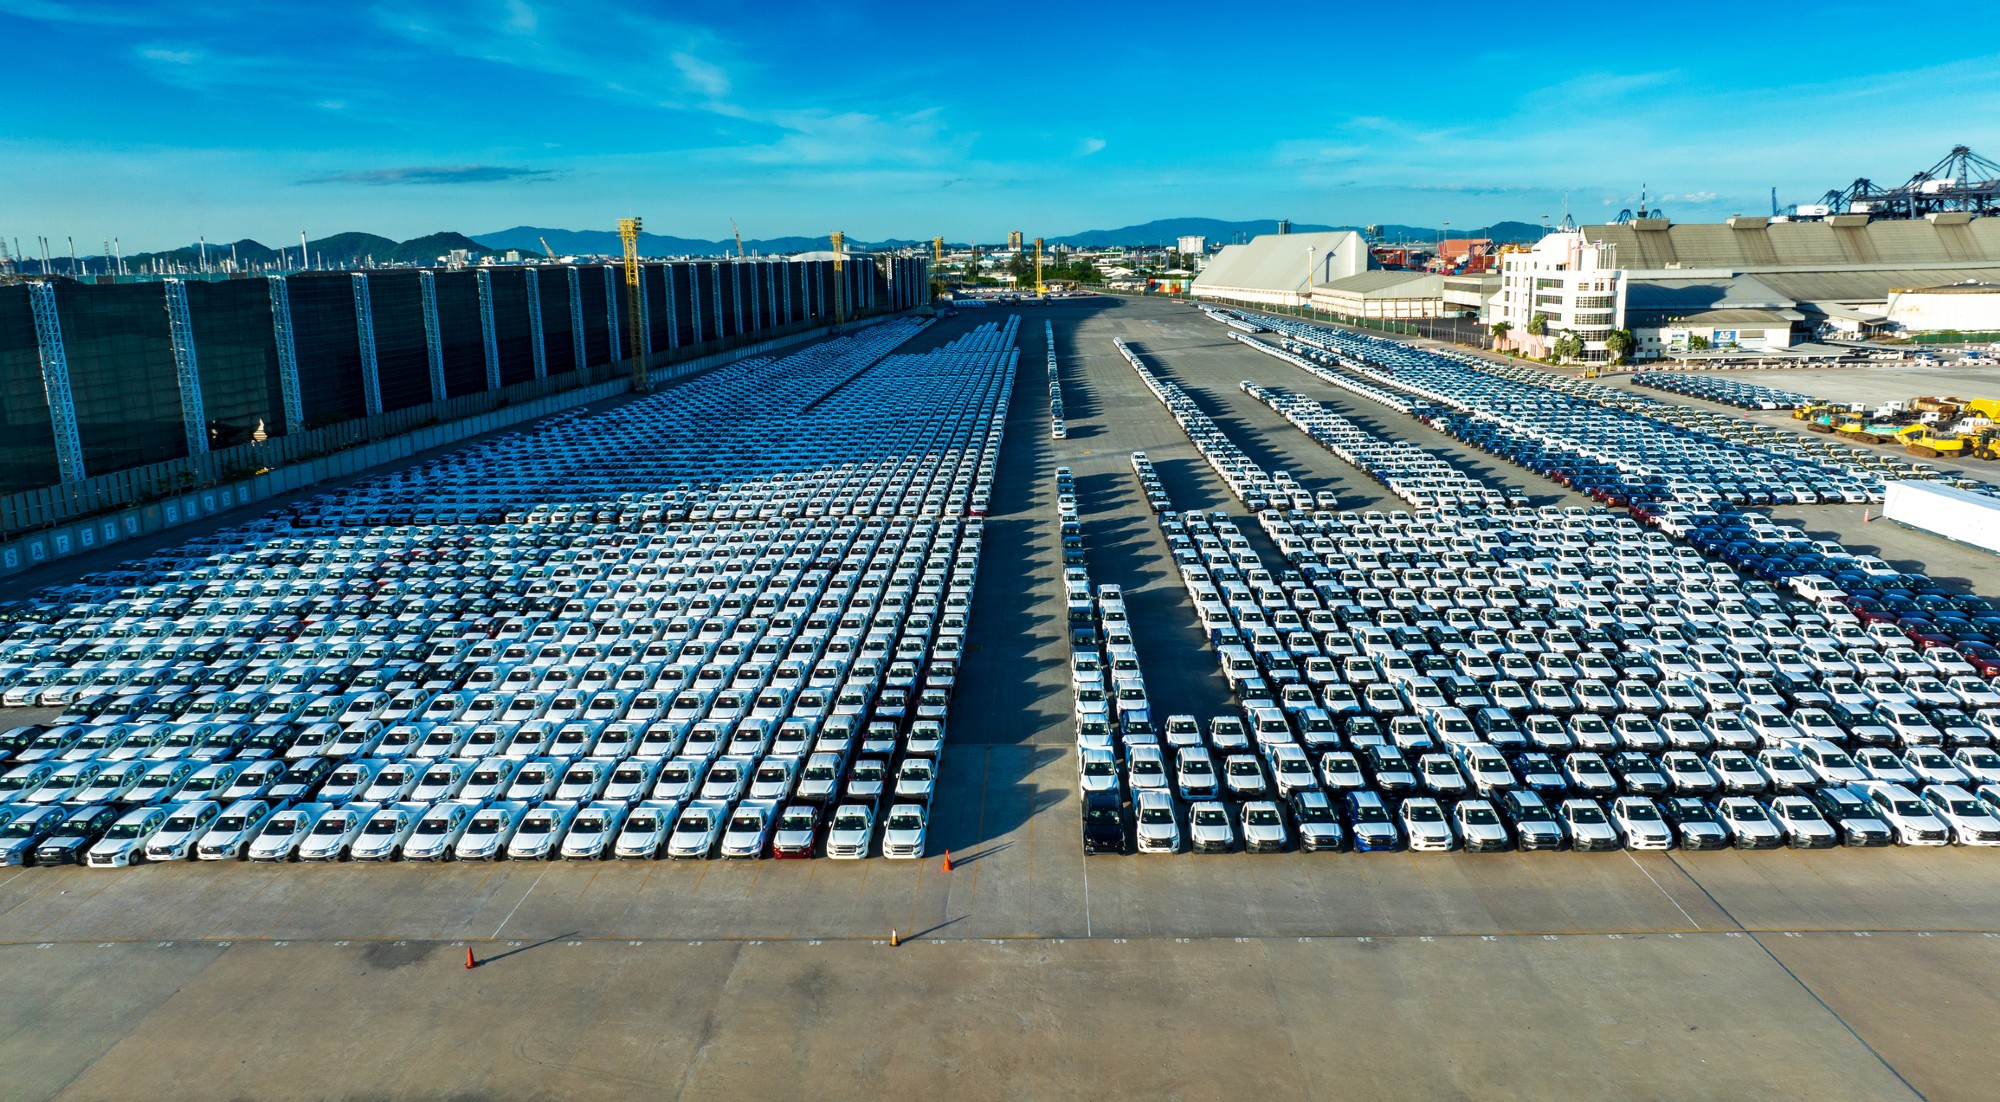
<point x="355" y="249"/>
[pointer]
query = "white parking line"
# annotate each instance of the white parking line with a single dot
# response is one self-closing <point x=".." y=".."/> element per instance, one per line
<point x="524" y="899"/>
<point x="1663" y="891"/>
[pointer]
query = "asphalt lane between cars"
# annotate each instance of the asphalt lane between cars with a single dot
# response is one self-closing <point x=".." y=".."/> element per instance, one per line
<point x="1825" y="974"/>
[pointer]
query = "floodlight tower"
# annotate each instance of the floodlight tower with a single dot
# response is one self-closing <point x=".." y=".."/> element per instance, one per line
<point x="628" y="232"/>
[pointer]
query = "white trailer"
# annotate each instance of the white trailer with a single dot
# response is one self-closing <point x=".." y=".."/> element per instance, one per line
<point x="1945" y="510"/>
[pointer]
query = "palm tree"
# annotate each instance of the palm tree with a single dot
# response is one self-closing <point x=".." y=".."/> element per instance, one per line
<point x="1500" y="329"/>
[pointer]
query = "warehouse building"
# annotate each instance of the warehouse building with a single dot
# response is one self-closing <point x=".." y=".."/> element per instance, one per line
<point x="159" y="381"/>
<point x="1280" y="269"/>
<point x="1382" y="294"/>
<point x="1841" y="277"/>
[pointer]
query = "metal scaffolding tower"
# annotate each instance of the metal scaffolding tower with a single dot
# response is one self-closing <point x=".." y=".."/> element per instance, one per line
<point x="534" y="279"/>
<point x="187" y="371"/>
<point x="288" y="355"/>
<point x="55" y="381"/>
<point x="364" y="324"/>
<point x="487" y="340"/>
<point x="433" y="343"/>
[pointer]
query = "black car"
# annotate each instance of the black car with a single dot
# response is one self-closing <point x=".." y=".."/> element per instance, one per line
<point x="1533" y="825"/>
<point x="1695" y="824"/>
<point x="1852" y="818"/>
<point x="65" y="845"/>
<point x="1103" y="823"/>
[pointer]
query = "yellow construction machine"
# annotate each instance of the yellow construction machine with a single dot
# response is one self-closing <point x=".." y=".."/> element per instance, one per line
<point x="1819" y="416"/>
<point x="1926" y="441"/>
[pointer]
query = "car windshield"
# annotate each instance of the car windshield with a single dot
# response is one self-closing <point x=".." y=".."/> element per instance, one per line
<point x="1156" y="815"/>
<point x="1641" y="813"/>
<point x="904" y="822"/>
<point x="1264" y="817"/>
<point x="693" y="824"/>
<point x="124" y="830"/>
<point x="851" y="822"/>
<point x="1480" y="816"/>
<point x="1586" y="815"/>
<point x="1424" y="813"/>
<point x="1210" y="818"/>
<point x="383" y="826"/>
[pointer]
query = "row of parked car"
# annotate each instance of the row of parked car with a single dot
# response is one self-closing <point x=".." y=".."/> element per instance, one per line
<point x="1057" y="426"/>
<point x="726" y="619"/>
<point x="1728" y="392"/>
<point x="1514" y="658"/>
<point x="1599" y="448"/>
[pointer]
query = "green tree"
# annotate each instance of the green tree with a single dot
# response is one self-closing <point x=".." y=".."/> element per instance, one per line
<point x="1538" y="324"/>
<point x="1697" y="343"/>
<point x="1619" y="342"/>
<point x="1567" y="346"/>
<point x="1500" y="331"/>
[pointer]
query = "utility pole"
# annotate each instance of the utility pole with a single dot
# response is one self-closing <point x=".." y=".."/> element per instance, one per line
<point x="628" y="233"/>
<point x="1038" y="268"/>
<point x="839" y="277"/>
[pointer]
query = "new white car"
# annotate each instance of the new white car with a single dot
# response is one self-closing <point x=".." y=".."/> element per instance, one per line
<point x="489" y="831"/>
<point x="284" y="831"/>
<point x="697" y="829"/>
<point x="1479" y="827"/>
<point x="903" y="830"/>
<point x="1157" y="830"/>
<point x="1426" y="826"/>
<point x="126" y="841"/>
<point x="1802" y="823"/>
<point x="540" y="830"/>
<point x="644" y="831"/>
<point x="1589" y="828"/>
<point x="231" y="834"/>
<point x="1639" y="820"/>
<point x="848" y="835"/>
<point x="334" y="832"/>
<point x="1749" y="823"/>
<point x="438" y="830"/>
<point x="1211" y="828"/>
<point x="749" y="829"/>
<point x="382" y="837"/>
<point x="1910" y="819"/>
<point x="592" y="831"/>
<point x="1264" y="828"/>
<point x="1972" y="823"/>
<point x="176" y="837"/>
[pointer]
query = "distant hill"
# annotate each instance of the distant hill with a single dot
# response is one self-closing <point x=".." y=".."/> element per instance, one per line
<point x="426" y="249"/>
<point x="352" y="249"/>
<point x="247" y="252"/>
<point x="606" y="243"/>
<point x="1165" y="231"/>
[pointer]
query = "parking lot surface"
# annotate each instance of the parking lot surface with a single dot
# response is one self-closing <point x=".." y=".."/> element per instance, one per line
<point x="1033" y="972"/>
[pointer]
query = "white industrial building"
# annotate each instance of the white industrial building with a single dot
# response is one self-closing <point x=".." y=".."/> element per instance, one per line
<point x="1753" y="285"/>
<point x="1572" y="282"/>
<point x="1382" y="294"/>
<point x="1192" y="245"/>
<point x="1281" y="269"/>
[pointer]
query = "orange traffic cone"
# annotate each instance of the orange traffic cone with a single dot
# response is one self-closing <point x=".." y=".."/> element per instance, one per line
<point x="1865" y="518"/>
<point x="947" y="861"/>
<point x="469" y="961"/>
<point x="895" y="938"/>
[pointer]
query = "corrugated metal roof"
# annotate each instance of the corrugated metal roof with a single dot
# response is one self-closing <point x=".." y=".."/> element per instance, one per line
<point x="1889" y="241"/>
<point x="1651" y="292"/>
<point x="1277" y="262"/>
<point x="1733" y="317"/>
<point x="1370" y="284"/>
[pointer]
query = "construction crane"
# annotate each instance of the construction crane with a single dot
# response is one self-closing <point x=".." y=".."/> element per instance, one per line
<point x="628" y="232"/>
<point x="739" y="238"/>
<point x="839" y="275"/>
<point x="1039" y="290"/>
<point x="546" y="251"/>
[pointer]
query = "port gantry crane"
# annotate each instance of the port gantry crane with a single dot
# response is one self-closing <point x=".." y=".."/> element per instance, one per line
<point x="628" y="232"/>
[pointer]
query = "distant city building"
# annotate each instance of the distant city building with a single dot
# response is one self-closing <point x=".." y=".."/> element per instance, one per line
<point x="1193" y="245"/>
<point x="1284" y="226"/>
<point x="1014" y="240"/>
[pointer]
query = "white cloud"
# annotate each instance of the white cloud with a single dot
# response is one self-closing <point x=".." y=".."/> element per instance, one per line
<point x="1089" y="146"/>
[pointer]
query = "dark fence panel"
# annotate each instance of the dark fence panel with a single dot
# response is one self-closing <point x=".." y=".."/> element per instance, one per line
<point x="27" y="438"/>
<point x="121" y="371"/>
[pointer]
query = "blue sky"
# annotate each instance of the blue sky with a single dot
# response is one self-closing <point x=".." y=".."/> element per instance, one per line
<point x="157" y="122"/>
